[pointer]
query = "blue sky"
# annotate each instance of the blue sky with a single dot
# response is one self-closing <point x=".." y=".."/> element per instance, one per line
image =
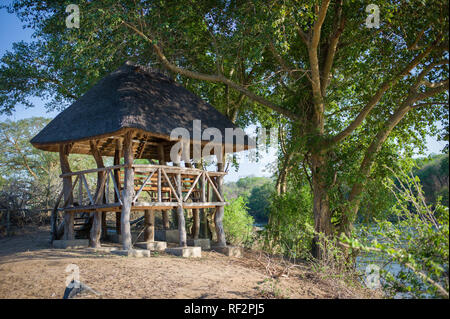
<point x="11" y="31"/>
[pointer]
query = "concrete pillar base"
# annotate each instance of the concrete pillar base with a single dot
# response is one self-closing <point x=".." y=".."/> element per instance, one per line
<point x="232" y="251"/>
<point x="70" y="244"/>
<point x="195" y="252"/>
<point x="204" y="243"/>
<point x="152" y="245"/>
<point x="102" y="249"/>
<point x="139" y="253"/>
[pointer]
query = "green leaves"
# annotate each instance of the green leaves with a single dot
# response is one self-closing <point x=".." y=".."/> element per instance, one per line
<point x="418" y="240"/>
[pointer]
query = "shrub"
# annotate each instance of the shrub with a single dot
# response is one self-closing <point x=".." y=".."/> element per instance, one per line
<point x="237" y="223"/>
<point x="287" y="232"/>
<point x="417" y="240"/>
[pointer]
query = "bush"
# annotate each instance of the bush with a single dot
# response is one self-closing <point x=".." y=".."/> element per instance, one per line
<point x="417" y="240"/>
<point x="237" y="223"/>
<point x="288" y="232"/>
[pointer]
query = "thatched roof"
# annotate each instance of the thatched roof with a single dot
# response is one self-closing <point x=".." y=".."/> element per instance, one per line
<point x="132" y="97"/>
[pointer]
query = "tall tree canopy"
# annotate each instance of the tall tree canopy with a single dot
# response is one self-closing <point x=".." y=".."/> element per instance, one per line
<point x="348" y="98"/>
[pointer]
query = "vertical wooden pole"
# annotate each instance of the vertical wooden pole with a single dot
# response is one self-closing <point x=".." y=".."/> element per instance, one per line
<point x="196" y="221"/>
<point x="180" y="210"/>
<point x="128" y="189"/>
<point x="162" y="161"/>
<point x="96" y="229"/>
<point x="218" y="217"/>
<point x="64" y="150"/>
<point x="117" y="180"/>
<point x="196" y="224"/>
<point x="149" y="221"/>
<point x="203" y="199"/>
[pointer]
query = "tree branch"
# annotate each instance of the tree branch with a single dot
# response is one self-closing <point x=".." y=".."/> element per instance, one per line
<point x="211" y="78"/>
<point x="378" y="95"/>
<point x="332" y="48"/>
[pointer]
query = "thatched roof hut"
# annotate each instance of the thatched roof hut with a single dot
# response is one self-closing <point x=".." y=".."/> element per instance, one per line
<point x="131" y="114"/>
<point x="132" y="97"/>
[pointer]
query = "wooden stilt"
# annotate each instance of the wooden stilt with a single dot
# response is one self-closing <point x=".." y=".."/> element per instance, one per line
<point x="96" y="229"/>
<point x="196" y="224"/>
<point x="149" y="221"/>
<point x="128" y="189"/>
<point x="218" y="216"/>
<point x="180" y="210"/>
<point x="162" y="161"/>
<point x="117" y="156"/>
<point x="64" y="150"/>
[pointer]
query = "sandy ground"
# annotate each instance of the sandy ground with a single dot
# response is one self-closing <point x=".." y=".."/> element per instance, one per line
<point x="29" y="268"/>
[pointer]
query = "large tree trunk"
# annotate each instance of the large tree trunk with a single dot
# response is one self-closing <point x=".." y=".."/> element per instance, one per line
<point x="321" y="208"/>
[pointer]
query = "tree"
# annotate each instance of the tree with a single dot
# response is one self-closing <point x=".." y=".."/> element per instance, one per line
<point x="351" y="97"/>
<point x="259" y="202"/>
<point x="30" y="177"/>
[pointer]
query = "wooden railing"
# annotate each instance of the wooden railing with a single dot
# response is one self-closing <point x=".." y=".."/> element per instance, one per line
<point x="158" y="182"/>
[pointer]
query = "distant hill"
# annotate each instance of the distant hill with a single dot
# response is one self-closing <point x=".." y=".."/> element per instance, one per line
<point x="256" y="191"/>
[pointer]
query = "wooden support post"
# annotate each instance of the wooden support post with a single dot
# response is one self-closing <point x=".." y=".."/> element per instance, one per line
<point x="64" y="150"/>
<point x="180" y="210"/>
<point x="162" y="161"/>
<point x="196" y="212"/>
<point x="96" y="228"/>
<point x="117" y="156"/>
<point x="149" y="224"/>
<point x="196" y="224"/>
<point x="203" y="228"/>
<point x="218" y="216"/>
<point x="128" y="189"/>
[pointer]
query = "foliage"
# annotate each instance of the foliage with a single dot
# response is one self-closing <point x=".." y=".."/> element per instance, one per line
<point x="256" y="192"/>
<point x="237" y="223"/>
<point x="433" y="174"/>
<point x="259" y="201"/>
<point x="418" y="240"/>
<point x="30" y="177"/>
<point x="243" y="187"/>
<point x="288" y="231"/>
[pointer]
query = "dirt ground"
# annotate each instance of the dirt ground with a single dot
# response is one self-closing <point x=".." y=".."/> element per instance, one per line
<point x="29" y="268"/>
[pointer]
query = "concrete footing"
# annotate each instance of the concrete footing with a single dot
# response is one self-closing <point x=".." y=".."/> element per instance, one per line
<point x="102" y="249"/>
<point x="185" y="251"/>
<point x="70" y="244"/>
<point x="152" y="245"/>
<point x="132" y="252"/>
<point x="231" y="251"/>
<point x="204" y="243"/>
